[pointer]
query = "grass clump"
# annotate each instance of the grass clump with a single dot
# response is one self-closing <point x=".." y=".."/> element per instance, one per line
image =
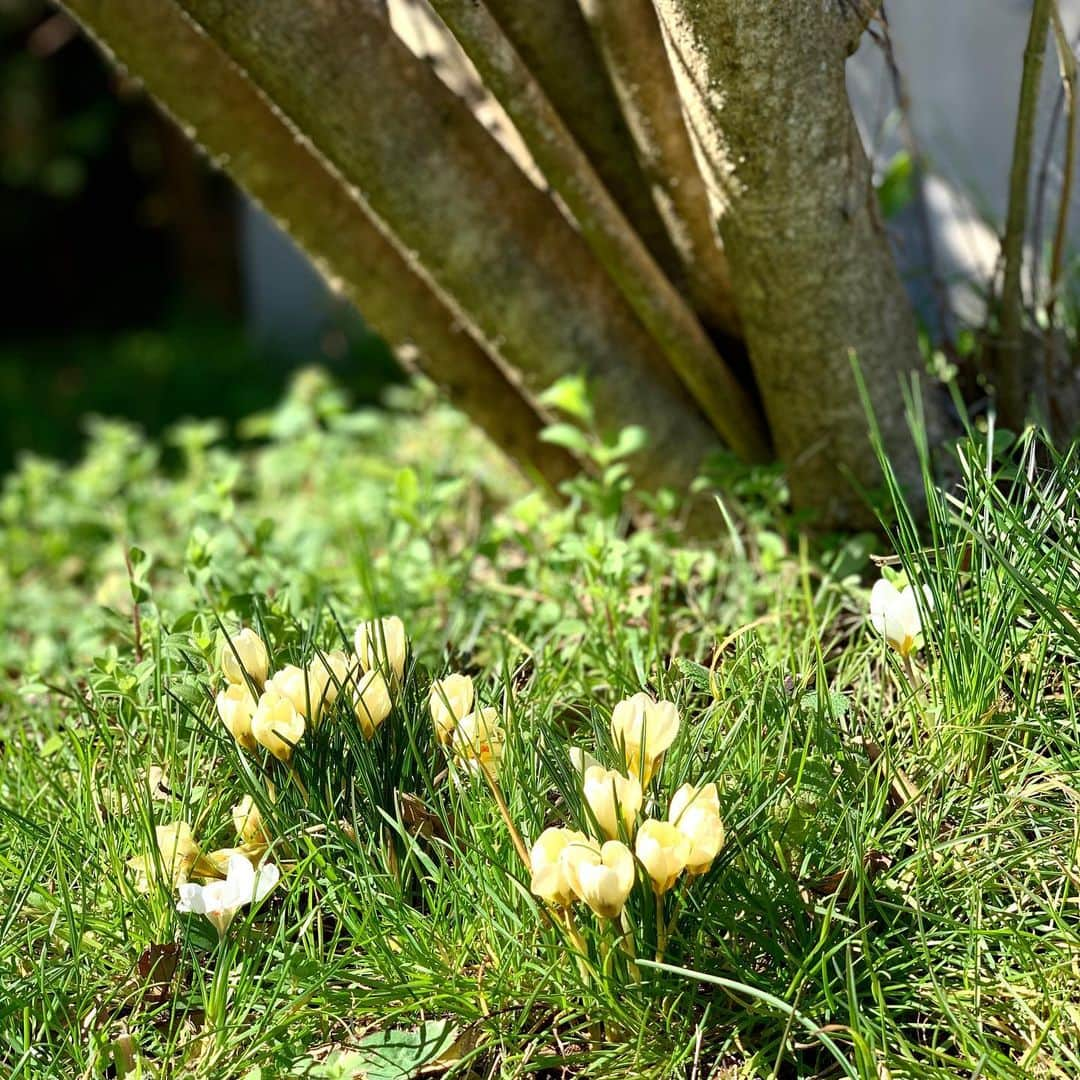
<point x="603" y="803"/>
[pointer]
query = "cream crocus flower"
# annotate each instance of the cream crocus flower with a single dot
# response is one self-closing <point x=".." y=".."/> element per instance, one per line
<point x="221" y="900"/>
<point x="894" y="613"/>
<point x="334" y="672"/>
<point x="695" y="812"/>
<point x="371" y="702"/>
<point x="236" y="707"/>
<point x="381" y="643"/>
<point x="277" y="725"/>
<point x="643" y="729"/>
<point x="581" y="760"/>
<point x="601" y="875"/>
<point x="244" y="651"/>
<point x="612" y="798"/>
<point x="177" y="854"/>
<point x="664" y="851"/>
<point x="451" y="699"/>
<point x="248" y="822"/>
<point x="291" y="682"/>
<point x="549" y="880"/>
<point x="479" y="740"/>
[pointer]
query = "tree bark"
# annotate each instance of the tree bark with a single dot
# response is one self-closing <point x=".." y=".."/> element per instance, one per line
<point x="663" y="310"/>
<point x="814" y="280"/>
<point x="628" y="35"/>
<point x="439" y="183"/>
<point x="552" y="37"/>
<point x="211" y="100"/>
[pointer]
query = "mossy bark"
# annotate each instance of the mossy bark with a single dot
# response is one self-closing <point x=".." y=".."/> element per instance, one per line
<point x="813" y="276"/>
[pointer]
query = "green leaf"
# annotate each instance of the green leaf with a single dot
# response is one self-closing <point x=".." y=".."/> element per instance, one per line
<point x="394" y="1054"/>
<point x="566" y="435"/>
<point x="897" y="187"/>
<point x="569" y="395"/>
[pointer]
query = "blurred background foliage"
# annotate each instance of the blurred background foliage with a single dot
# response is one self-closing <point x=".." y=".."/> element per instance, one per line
<point x="137" y="277"/>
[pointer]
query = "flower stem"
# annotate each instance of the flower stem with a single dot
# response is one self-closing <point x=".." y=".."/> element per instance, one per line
<point x="661" y="928"/>
<point x="515" y="836"/>
<point x="626" y="943"/>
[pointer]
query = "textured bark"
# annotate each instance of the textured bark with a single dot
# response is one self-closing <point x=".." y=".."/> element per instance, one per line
<point x="628" y="35"/>
<point x="814" y="280"/>
<point x="551" y="36"/>
<point x="614" y="242"/>
<point x="216" y="105"/>
<point x="440" y="184"/>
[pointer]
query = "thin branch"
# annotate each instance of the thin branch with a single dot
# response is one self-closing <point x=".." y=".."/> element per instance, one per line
<point x="215" y="104"/>
<point x="614" y="242"/>
<point x="918" y="169"/>
<point x="1067" y="61"/>
<point x="1011" y="393"/>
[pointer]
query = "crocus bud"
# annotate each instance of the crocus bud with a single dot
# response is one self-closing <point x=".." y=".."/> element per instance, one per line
<point x="242" y="652"/>
<point x="549" y="880"/>
<point x="451" y="699"/>
<point x="332" y="672"/>
<point x="644" y="729"/>
<point x="277" y="725"/>
<point x="612" y="798"/>
<point x="371" y="702"/>
<point x="177" y="853"/>
<point x="894" y="613"/>
<point x="248" y="822"/>
<point x="479" y="740"/>
<point x="695" y="812"/>
<point x="581" y="760"/>
<point x="236" y="707"/>
<point x="602" y="876"/>
<point x="291" y="682"/>
<point x="381" y="643"/>
<point x="664" y="852"/>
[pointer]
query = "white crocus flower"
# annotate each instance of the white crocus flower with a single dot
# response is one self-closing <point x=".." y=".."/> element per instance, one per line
<point x="643" y="729"/>
<point x="894" y="613"/>
<point x="221" y="900"/>
<point x="244" y="652"/>
<point x="612" y="798"/>
<point x="277" y="725"/>
<point x="381" y="643"/>
<point x="451" y="700"/>
<point x="600" y="874"/>
<point x="371" y="702"/>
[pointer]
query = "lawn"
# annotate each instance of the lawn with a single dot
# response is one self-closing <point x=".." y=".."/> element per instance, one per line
<point x="881" y="880"/>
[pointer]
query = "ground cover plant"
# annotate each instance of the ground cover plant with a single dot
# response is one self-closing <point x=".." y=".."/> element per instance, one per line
<point x="326" y="757"/>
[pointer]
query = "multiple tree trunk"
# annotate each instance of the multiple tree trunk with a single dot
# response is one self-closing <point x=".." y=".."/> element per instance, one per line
<point x="705" y="181"/>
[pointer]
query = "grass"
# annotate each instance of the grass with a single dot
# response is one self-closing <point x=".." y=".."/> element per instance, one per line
<point x="897" y="893"/>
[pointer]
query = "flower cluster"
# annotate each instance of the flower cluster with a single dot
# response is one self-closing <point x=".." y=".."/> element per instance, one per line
<point x="274" y="711"/>
<point x="600" y="870"/>
<point x="232" y="876"/>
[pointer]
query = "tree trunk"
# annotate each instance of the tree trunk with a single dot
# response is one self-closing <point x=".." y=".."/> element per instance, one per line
<point x="659" y="306"/>
<point x="554" y="41"/>
<point x="628" y="34"/>
<point x="492" y="243"/>
<point x="814" y="280"/>
<point x="215" y="104"/>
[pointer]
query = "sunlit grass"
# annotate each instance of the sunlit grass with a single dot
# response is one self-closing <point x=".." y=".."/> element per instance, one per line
<point x="897" y="893"/>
